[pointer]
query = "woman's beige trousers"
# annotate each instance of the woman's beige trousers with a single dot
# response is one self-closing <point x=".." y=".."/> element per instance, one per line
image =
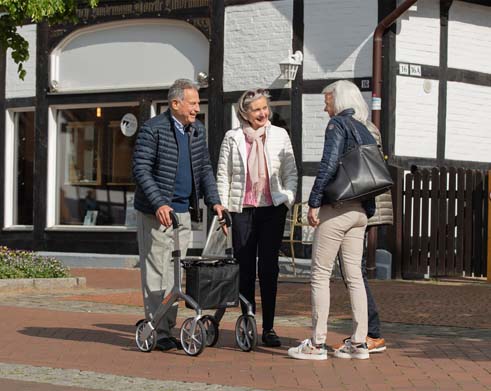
<point x="341" y="229"/>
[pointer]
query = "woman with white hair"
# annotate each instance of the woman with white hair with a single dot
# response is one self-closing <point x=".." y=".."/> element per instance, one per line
<point x="257" y="183"/>
<point x="340" y="227"/>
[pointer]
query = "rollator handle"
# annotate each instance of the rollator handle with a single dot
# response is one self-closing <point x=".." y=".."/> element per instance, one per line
<point x="226" y="218"/>
<point x="175" y="219"/>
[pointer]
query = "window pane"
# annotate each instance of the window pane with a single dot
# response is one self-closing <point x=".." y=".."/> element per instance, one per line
<point x="95" y="185"/>
<point x="25" y="165"/>
<point x="281" y="116"/>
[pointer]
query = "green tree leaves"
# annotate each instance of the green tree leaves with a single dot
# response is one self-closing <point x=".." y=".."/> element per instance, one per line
<point x="14" y="13"/>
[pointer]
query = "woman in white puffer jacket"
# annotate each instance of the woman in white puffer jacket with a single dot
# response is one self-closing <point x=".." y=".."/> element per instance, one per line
<point x="257" y="183"/>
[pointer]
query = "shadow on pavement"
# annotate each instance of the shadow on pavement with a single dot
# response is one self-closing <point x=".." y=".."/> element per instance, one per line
<point x="82" y="335"/>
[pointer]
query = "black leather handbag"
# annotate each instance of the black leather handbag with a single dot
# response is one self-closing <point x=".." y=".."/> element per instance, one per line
<point x="362" y="173"/>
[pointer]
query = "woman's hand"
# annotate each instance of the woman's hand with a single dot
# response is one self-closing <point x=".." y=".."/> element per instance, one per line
<point x="312" y="217"/>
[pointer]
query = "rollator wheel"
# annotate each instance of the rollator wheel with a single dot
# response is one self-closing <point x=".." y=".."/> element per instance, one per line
<point x="148" y="344"/>
<point x="193" y="343"/>
<point x="211" y="328"/>
<point x="246" y="332"/>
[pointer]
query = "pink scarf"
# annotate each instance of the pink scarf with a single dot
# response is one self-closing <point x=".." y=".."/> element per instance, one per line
<point x="256" y="163"/>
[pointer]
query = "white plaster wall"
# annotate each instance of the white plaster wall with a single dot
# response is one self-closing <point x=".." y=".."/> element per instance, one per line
<point x="314" y="122"/>
<point x="469" y="37"/>
<point x="307" y="183"/>
<point x="130" y="54"/>
<point x="468" y="134"/>
<point x="418" y="34"/>
<point x="416" y="118"/>
<point x="258" y="37"/>
<point x="338" y="38"/>
<point x="15" y="87"/>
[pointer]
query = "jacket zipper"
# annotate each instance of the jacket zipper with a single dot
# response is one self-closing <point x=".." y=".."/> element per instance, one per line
<point x="196" y="199"/>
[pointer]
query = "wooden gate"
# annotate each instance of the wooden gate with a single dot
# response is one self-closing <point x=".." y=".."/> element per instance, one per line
<point x="444" y="223"/>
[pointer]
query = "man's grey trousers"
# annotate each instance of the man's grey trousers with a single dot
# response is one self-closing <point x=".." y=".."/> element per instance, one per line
<point x="157" y="269"/>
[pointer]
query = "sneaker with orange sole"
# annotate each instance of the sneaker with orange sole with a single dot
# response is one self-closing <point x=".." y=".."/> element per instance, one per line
<point x="375" y="345"/>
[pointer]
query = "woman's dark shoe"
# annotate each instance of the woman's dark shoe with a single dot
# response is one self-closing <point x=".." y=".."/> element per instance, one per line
<point x="271" y="339"/>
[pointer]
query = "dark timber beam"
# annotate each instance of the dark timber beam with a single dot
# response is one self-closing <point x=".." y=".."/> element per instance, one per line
<point x="297" y="91"/>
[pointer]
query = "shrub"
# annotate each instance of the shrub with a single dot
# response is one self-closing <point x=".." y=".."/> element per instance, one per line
<point x="26" y="264"/>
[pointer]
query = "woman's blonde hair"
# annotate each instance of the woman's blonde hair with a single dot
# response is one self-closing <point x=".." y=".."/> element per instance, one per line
<point x="247" y="98"/>
<point x="347" y="95"/>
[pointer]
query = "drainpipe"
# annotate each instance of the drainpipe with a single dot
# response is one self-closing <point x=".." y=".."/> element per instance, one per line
<point x="377" y="106"/>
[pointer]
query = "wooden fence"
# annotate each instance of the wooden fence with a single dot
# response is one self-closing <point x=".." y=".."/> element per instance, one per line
<point x="442" y="223"/>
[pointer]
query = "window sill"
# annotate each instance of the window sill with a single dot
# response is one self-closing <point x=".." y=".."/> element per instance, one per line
<point x="22" y="228"/>
<point x="91" y="228"/>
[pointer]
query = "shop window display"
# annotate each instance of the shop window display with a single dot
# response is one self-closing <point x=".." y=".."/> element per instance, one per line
<point x="94" y="179"/>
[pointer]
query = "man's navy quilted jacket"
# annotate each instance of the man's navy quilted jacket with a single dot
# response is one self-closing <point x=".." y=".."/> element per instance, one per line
<point x="155" y="159"/>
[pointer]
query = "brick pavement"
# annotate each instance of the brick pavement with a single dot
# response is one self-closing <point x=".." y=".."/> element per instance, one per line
<point x="55" y="340"/>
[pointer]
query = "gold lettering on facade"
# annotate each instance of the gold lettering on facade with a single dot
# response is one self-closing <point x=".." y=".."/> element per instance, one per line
<point x="140" y="7"/>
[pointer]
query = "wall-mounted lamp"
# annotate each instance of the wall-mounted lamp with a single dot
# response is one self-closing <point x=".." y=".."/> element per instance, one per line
<point x="53" y="85"/>
<point x="203" y="79"/>
<point x="289" y="67"/>
<point x="98" y="112"/>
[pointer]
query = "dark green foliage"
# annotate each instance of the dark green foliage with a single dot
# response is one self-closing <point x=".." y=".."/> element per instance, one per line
<point x="14" y="13"/>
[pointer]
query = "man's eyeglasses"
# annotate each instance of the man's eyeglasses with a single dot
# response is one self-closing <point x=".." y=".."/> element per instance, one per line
<point x="259" y="91"/>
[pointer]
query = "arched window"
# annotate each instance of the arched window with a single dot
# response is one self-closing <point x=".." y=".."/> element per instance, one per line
<point x="125" y="55"/>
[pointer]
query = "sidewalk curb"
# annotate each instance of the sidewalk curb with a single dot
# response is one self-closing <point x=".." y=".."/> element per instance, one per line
<point x="45" y="284"/>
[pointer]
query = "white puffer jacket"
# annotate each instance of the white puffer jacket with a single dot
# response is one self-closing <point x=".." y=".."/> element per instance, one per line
<point x="232" y="168"/>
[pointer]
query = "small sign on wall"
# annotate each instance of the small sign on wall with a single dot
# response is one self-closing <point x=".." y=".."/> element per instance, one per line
<point x="128" y="124"/>
<point x="415" y="70"/>
<point x="410" y="69"/>
<point x="403" y="69"/>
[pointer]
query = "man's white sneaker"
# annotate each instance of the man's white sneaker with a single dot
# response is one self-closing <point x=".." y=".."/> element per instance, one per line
<point x="349" y="350"/>
<point x="307" y="351"/>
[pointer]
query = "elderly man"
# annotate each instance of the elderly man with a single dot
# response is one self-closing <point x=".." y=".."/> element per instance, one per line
<point x="171" y="167"/>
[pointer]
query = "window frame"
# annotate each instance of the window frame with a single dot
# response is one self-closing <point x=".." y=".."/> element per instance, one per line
<point x="10" y="169"/>
<point x="53" y="198"/>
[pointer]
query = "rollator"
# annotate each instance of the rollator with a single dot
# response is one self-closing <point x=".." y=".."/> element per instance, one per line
<point x="200" y="331"/>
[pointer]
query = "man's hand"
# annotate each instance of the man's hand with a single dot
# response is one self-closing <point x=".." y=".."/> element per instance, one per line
<point x="219" y="211"/>
<point x="312" y="217"/>
<point x="163" y="215"/>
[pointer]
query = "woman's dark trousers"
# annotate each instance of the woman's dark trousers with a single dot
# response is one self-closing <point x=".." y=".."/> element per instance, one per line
<point x="257" y="234"/>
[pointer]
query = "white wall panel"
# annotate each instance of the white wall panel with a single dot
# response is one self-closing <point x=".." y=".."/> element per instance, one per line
<point x="307" y="183"/>
<point x="469" y="37"/>
<point x="258" y="37"/>
<point x="338" y="38"/>
<point x="468" y="122"/>
<point x="314" y="122"/>
<point x="416" y="118"/>
<point x="15" y="87"/>
<point x="418" y="34"/>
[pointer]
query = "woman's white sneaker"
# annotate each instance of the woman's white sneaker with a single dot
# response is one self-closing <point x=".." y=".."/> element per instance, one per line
<point x="349" y="350"/>
<point x="307" y="351"/>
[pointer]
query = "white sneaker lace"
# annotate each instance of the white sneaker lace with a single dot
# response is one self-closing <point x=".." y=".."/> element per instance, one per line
<point x="305" y="342"/>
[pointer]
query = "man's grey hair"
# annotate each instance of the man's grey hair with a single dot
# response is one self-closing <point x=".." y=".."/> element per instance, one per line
<point x="176" y="90"/>
<point x="347" y="95"/>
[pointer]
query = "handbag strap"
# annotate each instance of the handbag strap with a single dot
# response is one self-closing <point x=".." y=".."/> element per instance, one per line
<point x="354" y="131"/>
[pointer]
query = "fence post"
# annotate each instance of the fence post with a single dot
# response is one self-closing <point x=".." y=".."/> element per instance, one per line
<point x="394" y="232"/>
<point x="488" y="271"/>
